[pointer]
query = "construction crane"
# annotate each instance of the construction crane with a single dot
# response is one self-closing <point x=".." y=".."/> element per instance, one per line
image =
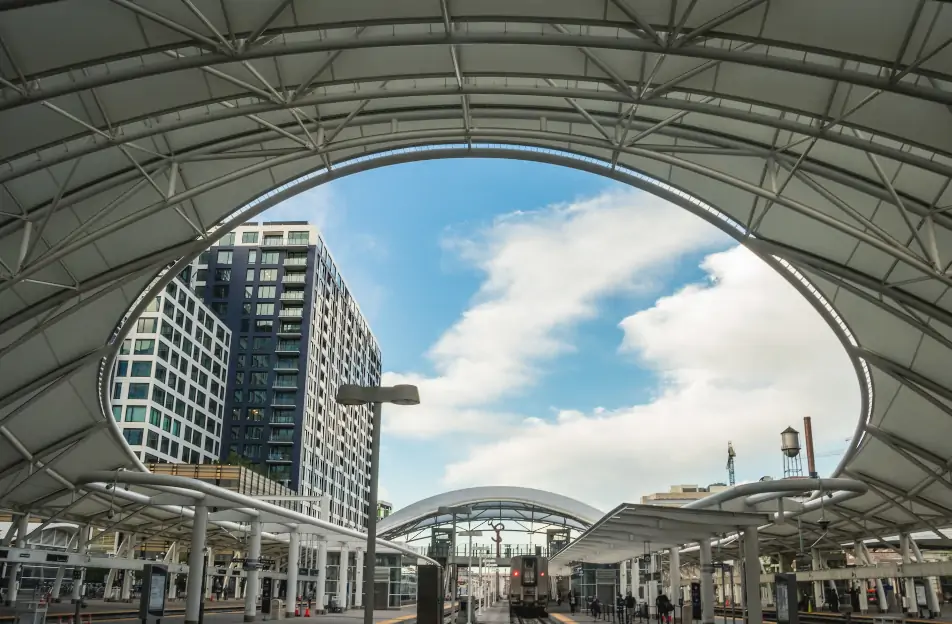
<point x="730" y="463"/>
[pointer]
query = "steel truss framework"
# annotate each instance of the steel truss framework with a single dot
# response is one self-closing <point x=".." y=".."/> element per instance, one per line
<point x="524" y="508"/>
<point x="817" y="132"/>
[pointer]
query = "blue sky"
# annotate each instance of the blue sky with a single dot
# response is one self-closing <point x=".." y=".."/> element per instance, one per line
<point x="538" y="304"/>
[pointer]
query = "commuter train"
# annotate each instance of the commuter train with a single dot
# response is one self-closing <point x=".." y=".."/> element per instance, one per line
<point x="529" y="588"/>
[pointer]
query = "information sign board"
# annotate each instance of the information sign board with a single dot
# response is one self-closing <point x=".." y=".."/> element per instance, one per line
<point x="154" y="582"/>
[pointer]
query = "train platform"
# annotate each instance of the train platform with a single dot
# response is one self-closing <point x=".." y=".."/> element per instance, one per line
<point x="220" y="612"/>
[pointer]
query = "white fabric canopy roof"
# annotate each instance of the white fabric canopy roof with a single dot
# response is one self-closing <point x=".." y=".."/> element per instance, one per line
<point x="524" y="505"/>
<point x="631" y="530"/>
<point x="817" y="132"/>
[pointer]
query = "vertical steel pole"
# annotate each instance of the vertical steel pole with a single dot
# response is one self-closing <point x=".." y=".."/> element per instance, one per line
<point x="370" y="562"/>
<point x="195" y="587"/>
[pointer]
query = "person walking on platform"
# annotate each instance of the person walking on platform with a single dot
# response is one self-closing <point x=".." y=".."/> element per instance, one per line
<point x="629" y="608"/>
<point x="573" y="601"/>
<point x="664" y="608"/>
<point x="596" y="608"/>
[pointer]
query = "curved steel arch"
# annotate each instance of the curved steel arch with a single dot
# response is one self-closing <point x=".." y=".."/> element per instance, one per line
<point x="821" y="127"/>
<point x="488" y="504"/>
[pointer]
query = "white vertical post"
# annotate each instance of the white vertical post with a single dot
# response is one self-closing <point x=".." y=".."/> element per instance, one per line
<point x="319" y="592"/>
<point x="932" y="598"/>
<point x="58" y="583"/>
<point x="81" y="549"/>
<point x="196" y="558"/>
<point x="342" y="593"/>
<point x="210" y="568"/>
<point x="127" y="575"/>
<point x="707" y="583"/>
<point x="636" y="579"/>
<point x="863" y="584"/>
<point x="479" y="586"/>
<point x="652" y="594"/>
<point x="294" y="554"/>
<point x="623" y="578"/>
<point x="172" y="557"/>
<point x="675" y="576"/>
<point x="359" y="581"/>
<point x="13" y="570"/>
<point x="469" y="580"/>
<point x="909" y="583"/>
<point x="252" y="586"/>
<point x="880" y="591"/>
<point x="753" y="599"/>
<point x="818" y="598"/>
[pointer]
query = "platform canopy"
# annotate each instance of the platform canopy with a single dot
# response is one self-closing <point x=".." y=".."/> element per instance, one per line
<point x="631" y="530"/>
<point x="816" y="132"/>
<point x="519" y="505"/>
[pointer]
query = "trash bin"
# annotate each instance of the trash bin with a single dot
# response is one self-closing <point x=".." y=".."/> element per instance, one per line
<point x="277" y="609"/>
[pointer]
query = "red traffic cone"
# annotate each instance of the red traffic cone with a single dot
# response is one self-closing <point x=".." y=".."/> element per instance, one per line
<point x="307" y="611"/>
<point x="297" y="609"/>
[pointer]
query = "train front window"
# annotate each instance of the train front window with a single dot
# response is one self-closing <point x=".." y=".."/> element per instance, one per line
<point x="528" y="571"/>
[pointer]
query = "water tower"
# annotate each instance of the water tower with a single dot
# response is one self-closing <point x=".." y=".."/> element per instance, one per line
<point x="790" y="445"/>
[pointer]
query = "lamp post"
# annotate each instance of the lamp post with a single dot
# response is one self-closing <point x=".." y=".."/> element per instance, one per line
<point x="469" y="575"/>
<point x="350" y="394"/>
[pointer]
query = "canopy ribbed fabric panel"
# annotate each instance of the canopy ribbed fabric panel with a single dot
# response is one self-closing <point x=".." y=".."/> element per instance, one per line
<point x="489" y="504"/>
<point x="817" y="132"/>
<point x="631" y="530"/>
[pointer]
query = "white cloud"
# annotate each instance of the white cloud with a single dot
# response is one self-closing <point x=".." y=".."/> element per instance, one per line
<point x="320" y="206"/>
<point x="545" y="272"/>
<point x="740" y="358"/>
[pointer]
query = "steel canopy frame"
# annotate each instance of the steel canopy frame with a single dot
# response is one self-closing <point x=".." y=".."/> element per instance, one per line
<point x="490" y="503"/>
<point x="815" y="131"/>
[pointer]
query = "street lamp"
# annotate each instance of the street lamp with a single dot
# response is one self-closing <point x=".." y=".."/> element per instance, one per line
<point x="350" y="394"/>
<point x="469" y="575"/>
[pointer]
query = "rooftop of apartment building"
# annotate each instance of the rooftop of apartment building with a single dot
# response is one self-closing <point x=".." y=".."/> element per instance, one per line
<point x="241" y="235"/>
<point x="684" y="493"/>
<point x="236" y="478"/>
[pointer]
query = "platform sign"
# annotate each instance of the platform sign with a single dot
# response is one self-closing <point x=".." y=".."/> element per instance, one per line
<point x="786" y="599"/>
<point x="266" y="595"/>
<point x="154" y="581"/>
<point x="696" y="601"/>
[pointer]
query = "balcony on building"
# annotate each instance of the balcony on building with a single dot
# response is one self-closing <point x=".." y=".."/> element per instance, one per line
<point x="288" y="346"/>
<point x="291" y="312"/>
<point x="287" y="364"/>
<point x="295" y="261"/>
<point x="286" y="382"/>
<point x="284" y="399"/>
<point x="292" y="294"/>
<point x="280" y="455"/>
<point x="282" y="418"/>
<point x="290" y="328"/>
<point x="294" y="278"/>
<point x="281" y="436"/>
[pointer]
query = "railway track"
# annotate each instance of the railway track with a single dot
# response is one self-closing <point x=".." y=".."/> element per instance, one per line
<point x="102" y="616"/>
<point x="515" y="619"/>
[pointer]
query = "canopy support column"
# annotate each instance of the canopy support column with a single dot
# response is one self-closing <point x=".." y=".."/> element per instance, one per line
<point x="707" y="584"/>
<point x="196" y="563"/>
<point x="752" y="601"/>
<point x="294" y="548"/>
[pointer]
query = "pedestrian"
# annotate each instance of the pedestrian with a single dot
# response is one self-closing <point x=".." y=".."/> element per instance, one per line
<point x="596" y="608"/>
<point x="834" y="600"/>
<point x="664" y="607"/>
<point x="629" y="607"/>
<point x="558" y="598"/>
<point x="572" y="601"/>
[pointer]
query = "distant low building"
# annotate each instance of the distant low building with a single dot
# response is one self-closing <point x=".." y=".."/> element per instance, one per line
<point x="681" y="495"/>
<point x="384" y="509"/>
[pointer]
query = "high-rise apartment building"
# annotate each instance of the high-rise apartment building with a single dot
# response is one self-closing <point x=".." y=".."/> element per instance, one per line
<point x="168" y="384"/>
<point x="298" y="335"/>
